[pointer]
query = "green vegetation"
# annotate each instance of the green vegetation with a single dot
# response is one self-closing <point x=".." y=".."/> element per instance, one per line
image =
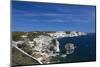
<point x="27" y="48"/>
<point x="19" y="58"/>
<point x="32" y="35"/>
<point x="16" y="35"/>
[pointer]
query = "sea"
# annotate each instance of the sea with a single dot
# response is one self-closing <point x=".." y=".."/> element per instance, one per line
<point x="85" y="48"/>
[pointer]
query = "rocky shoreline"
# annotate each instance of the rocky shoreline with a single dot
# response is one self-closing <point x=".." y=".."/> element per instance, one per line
<point x="45" y="46"/>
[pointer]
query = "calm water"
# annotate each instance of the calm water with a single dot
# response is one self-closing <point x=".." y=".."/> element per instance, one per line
<point x="85" y="48"/>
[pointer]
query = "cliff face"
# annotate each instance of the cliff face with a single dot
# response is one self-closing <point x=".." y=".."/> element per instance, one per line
<point x="46" y="45"/>
<point x="45" y="40"/>
<point x="61" y="34"/>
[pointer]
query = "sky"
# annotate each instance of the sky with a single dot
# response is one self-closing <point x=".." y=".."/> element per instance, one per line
<point x="36" y="16"/>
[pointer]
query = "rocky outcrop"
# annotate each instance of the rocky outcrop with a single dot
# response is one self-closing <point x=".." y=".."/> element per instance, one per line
<point x="46" y="45"/>
<point x="61" y="34"/>
<point x="69" y="47"/>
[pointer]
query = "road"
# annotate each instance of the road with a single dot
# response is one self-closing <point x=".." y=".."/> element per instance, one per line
<point x="15" y="45"/>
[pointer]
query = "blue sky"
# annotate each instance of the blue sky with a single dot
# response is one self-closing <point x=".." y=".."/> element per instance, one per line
<point x="33" y="16"/>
